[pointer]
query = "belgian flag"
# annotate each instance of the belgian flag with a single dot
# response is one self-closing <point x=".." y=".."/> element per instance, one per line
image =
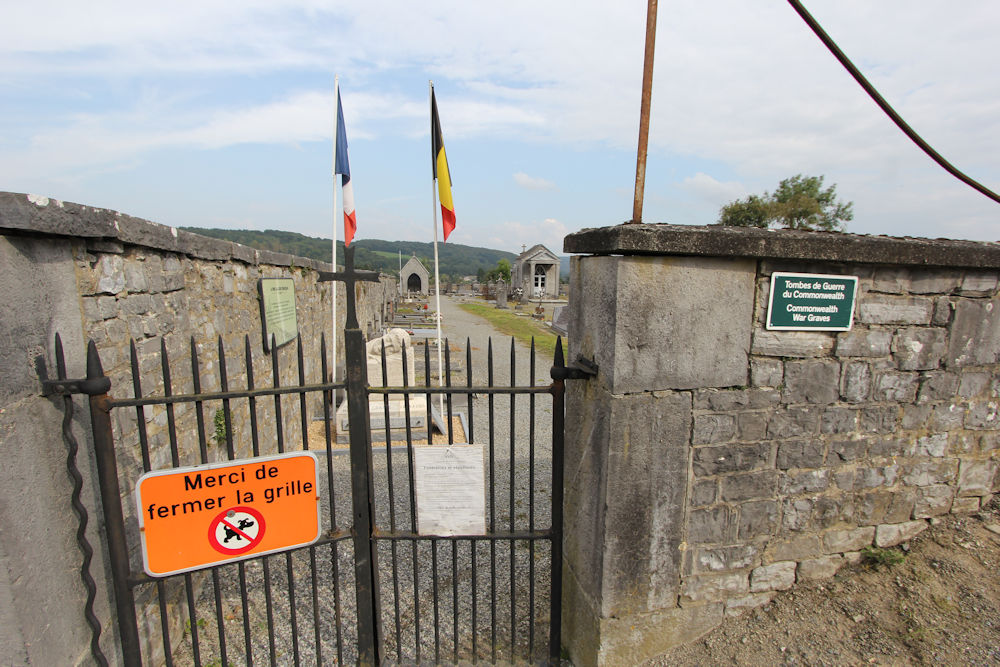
<point x="439" y="162"/>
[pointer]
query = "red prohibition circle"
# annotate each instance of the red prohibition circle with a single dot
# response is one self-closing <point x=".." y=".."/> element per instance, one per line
<point x="221" y="519"/>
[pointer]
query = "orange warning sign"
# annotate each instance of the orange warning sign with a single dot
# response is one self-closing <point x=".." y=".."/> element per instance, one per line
<point x="222" y="512"/>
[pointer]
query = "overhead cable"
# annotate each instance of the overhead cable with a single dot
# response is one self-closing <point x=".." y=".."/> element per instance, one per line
<point x="896" y="118"/>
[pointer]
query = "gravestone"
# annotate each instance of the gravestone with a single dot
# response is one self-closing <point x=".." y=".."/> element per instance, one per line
<point x="395" y="342"/>
<point x="501" y="294"/>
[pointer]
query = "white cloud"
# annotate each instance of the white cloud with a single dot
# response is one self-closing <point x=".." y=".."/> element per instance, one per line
<point x="707" y="188"/>
<point x="549" y="232"/>
<point x="533" y="183"/>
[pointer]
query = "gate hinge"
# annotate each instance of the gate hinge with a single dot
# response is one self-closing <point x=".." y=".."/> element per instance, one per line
<point x="581" y="369"/>
<point x="91" y="387"/>
<point x="65" y="387"/>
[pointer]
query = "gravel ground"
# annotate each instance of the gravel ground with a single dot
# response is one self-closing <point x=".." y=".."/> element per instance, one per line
<point x="322" y="598"/>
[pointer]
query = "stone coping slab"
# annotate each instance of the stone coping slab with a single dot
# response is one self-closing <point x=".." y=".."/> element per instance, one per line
<point x="720" y="241"/>
<point x="34" y="214"/>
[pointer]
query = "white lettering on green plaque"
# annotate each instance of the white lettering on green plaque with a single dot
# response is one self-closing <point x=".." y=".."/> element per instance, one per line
<point x="811" y="302"/>
<point x="277" y="299"/>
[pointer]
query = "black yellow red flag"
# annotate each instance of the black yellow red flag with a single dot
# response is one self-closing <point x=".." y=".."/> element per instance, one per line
<point x="439" y="163"/>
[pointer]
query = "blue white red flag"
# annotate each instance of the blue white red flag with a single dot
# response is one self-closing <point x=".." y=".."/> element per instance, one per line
<point x="343" y="168"/>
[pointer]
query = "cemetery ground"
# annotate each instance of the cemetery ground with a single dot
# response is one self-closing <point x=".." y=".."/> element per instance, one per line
<point x="936" y="603"/>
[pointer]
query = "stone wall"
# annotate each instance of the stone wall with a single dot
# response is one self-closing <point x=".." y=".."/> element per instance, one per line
<point x="138" y="289"/>
<point x="712" y="463"/>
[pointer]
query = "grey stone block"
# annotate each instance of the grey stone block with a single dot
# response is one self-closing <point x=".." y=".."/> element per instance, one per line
<point x="748" y="486"/>
<point x="857" y="382"/>
<point x="927" y="473"/>
<point x="839" y="541"/>
<point x="625" y="328"/>
<point x="933" y="501"/>
<point x="778" y="576"/>
<point x="979" y="284"/>
<point x="965" y="505"/>
<point x="791" y="343"/>
<point x="983" y="415"/>
<point x="937" y="386"/>
<point x="845" y="451"/>
<point x="895" y="310"/>
<point x="797" y="549"/>
<point x="889" y="535"/>
<point x="709" y="429"/>
<point x="973" y="383"/>
<point x="975" y="334"/>
<point x="976" y="478"/>
<point x="864" y="342"/>
<point x="111" y="271"/>
<point x="766" y="372"/>
<point x="721" y="400"/>
<point x="867" y="478"/>
<point x="934" y="281"/>
<point x="895" y="387"/>
<point x="944" y="307"/>
<point x="932" y="445"/>
<point x="811" y="381"/>
<point x="891" y="280"/>
<point x="757" y="518"/>
<point x="794" y="422"/>
<point x="878" y="419"/>
<point x="710" y="587"/>
<point x="797" y="513"/>
<point x="838" y="420"/>
<point x="811" y="481"/>
<point x="817" y="569"/>
<point x="703" y="493"/>
<point x="947" y="417"/>
<point x="751" y="426"/>
<point x="800" y="454"/>
<point x="720" y="559"/>
<point x="710" y="526"/>
<point x="707" y="461"/>
<point x="919" y="348"/>
<point x="915" y="416"/>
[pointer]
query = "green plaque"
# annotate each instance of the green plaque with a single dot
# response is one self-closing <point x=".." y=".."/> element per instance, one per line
<point x="277" y="311"/>
<point x="811" y="302"/>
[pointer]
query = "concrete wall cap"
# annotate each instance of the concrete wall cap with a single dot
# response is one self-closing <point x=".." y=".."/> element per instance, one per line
<point x="34" y="214"/>
<point x="720" y="241"/>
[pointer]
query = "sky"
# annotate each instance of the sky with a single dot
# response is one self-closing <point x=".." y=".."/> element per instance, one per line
<point x="221" y="114"/>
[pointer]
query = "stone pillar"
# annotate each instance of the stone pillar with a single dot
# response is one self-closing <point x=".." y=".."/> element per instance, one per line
<point x="644" y="321"/>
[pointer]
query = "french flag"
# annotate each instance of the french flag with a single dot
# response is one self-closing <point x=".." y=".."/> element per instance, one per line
<point x="343" y="167"/>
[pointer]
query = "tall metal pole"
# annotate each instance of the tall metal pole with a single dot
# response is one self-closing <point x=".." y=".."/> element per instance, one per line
<point x="647" y="93"/>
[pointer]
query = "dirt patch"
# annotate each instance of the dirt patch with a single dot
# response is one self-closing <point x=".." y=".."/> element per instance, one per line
<point x="939" y="605"/>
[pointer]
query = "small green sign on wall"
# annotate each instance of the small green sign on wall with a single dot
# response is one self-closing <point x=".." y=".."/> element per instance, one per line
<point x="811" y="302"/>
<point x="277" y="311"/>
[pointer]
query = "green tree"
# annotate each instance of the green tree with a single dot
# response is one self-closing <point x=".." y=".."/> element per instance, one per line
<point x="502" y="270"/>
<point x="799" y="202"/>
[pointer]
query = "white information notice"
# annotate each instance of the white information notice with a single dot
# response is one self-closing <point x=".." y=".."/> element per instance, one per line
<point x="451" y="489"/>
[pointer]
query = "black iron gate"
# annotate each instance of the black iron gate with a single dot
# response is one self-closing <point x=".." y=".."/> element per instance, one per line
<point x="371" y="589"/>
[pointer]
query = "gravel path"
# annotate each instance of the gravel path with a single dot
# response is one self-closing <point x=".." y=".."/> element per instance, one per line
<point x="450" y="601"/>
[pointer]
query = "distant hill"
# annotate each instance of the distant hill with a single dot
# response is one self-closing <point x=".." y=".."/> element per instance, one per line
<point x="456" y="259"/>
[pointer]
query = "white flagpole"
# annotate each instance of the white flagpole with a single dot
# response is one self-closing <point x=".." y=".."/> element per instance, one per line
<point x="437" y="277"/>
<point x="336" y="211"/>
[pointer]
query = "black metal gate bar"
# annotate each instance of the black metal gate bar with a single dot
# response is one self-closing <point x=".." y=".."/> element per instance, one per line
<point x="114" y="519"/>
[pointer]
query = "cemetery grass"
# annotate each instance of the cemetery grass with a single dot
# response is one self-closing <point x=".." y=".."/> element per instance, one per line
<point x="936" y="602"/>
<point x="521" y="327"/>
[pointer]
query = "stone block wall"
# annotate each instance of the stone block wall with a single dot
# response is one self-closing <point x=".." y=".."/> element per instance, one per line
<point x="142" y="290"/>
<point x="844" y="440"/>
<point x="712" y="463"/>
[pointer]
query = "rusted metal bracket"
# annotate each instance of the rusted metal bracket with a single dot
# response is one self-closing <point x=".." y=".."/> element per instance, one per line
<point x="67" y="387"/>
<point x="581" y="369"/>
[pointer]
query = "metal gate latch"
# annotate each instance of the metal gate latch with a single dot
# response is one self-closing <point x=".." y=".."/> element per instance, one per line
<point x="581" y="369"/>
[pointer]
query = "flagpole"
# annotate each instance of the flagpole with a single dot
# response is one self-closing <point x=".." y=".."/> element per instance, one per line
<point x="437" y="277"/>
<point x="336" y="96"/>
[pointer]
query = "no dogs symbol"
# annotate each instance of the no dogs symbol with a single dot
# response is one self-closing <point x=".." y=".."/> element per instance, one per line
<point x="236" y="530"/>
